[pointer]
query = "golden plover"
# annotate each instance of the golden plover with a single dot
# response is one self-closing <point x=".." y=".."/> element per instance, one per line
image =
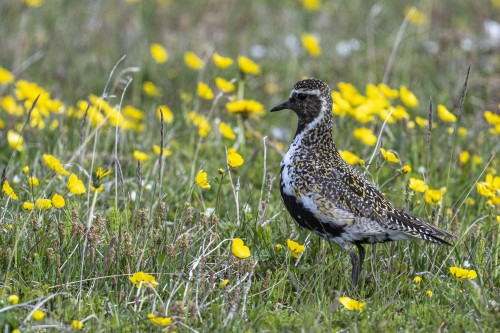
<point x="329" y="197"/>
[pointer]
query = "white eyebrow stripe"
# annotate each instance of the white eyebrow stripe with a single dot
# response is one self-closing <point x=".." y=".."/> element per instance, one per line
<point x="315" y="92"/>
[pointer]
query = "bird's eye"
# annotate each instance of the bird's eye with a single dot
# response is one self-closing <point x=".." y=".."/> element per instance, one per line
<point x="301" y="96"/>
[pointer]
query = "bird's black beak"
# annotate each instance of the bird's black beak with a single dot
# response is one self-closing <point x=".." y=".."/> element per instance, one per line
<point x="282" y="106"/>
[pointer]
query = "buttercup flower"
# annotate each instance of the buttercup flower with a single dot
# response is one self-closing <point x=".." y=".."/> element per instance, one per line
<point x="239" y="249"/>
<point x="245" y="107"/>
<point x="33" y="3"/>
<point x="15" y="140"/>
<point x="75" y="185"/>
<point x="311" y="44"/>
<point x="445" y="115"/>
<point x="28" y="206"/>
<point x="434" y="196"/>
<point x="224" y="283"/>
<point x="462" y="274"/>
<point x="278" y="247"/>
<point x="202" y="179"/>
<point x="38" y="315"/>
<point x="226" y="131"/>
<point x="224" y="85"/>
<point x="161" y="321"/>
<point x="247" y="66"/>
<point x="311" y="5"/>
<point x="417" y="279"/>
<point x="158" y="53"/>
<point x="168" y="116"/>
<point x="234" y="159"/>
<point x="415" y="16"/>
<point x="417" y="185"/>
<point x="58" y="201"/>
<point x="351" y="158"/>
<point x="389" y="156"/>
<point x="406" y="169"/>
<point x="365" y="135"/>
<point x="77" y="325"/>
<point x="8" y="191"/>
<point x="222" y="62"/>
<point x="204" y="91"/>
<point x="43" y="204"/>
<point x="193" y="61"/>
<point x="33" y="181"/>
<point x="54" y="164"/>
<point x="429" y="293"/>
<point x="151" y="89"/>
<point x="408" y="97"/>
<point x="13" y="299"/>
<point x="164" y="151"/>
<point x="143" y="280"/>
<point x="295" y="248"/>
<point x="6" y="77"/>
<point x="464" y="157"/>
<point x="140" y="156"/>
<point x="351" y="304"/>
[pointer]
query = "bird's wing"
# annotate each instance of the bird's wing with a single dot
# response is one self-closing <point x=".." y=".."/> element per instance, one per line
<point x="365" y="200"/>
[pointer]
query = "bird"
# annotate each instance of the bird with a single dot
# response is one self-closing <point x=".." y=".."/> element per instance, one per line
<point x="326" y="195"/>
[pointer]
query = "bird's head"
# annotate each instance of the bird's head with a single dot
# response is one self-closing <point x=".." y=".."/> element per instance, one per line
<point x="308" y="99"/>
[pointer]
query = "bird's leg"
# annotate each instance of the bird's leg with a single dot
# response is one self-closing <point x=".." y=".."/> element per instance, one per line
<point x="357" y="264"/>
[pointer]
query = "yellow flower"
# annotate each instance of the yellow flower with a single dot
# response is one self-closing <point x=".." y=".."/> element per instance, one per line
<point x="43" y="204"/>
<point x="351" y="304"/>
<point x="461" y="273"/>
<point x="75" y="185"/>
<point x="38" y="315"/>
<point x="245" y="107"/>
<point x="224" y="85"/>
<point x="201" y="122"/>
<point x="311" y="5"/>
<point x="278" y="247"/>
<point x="462" y="131"/>
<point x="33" y="3"/>
<point x="445" y="115"/>
<point x="408" y="97"/>
<point x="158" y="53"/>
<point x="388" y="91"/>
<point x="417" y="279"/>
<point x="406" y="169"/>
<point x="15" y="140"/>
<point x="168" y="116"/>
<point x="239" y="249"/>
<point x="13" y="299"/>
<point x="33" y="181"/>
<point x="415" y="16"/>
<point x="498" y="219"/>
<point x="476" y="159"/>
<point x="422" y="122"/>
<point x="58" y="201"/>
<point x="295" y="248"/>
<point x="311" y="44"/>
<point x="26" y="169"/>
<point x="222" y="62"/>
<point x="77" y="325"/>
<point x="417" y="185"/>
<point x="204" y="91"/>
<point x="224" y="283"/>
<point x="54" y="164"/>
<point x="470" y="201"/>
<point x="434" y="196"/>
<point x="247" y="66"/>
<point x="351" y="158"/>
<point x="389" y="156"/>
<point x="234" y="159"/>
<point x="28" y="206"/>
<point x="161" y="321"/>
<point x="226" y="131"/>
<point x="365" y="135"/>
<point x="8" y="191"/>
<point x="202" y="179"/>
<point x="6" y="77"/>
<point x="464" y="157"/>
<point x="493" y="119"/>
<point x="165" y="151"/>
<point x="99" y="188"/>
<point x="151" y="89"/>
<point x="193" y="61"/>
<point x="140" y="156"/>
<point x="142" y="280"/>
<point x="101" y="173"/>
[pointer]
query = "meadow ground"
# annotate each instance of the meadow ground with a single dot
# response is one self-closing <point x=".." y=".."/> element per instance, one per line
<point x="114" y="220"/>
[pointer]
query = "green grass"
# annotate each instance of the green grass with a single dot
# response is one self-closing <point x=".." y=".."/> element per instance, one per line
<point x="156" y="219"/>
